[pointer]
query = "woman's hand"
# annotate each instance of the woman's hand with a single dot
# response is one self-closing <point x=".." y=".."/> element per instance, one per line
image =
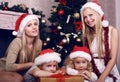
<point x="100" y="80"/>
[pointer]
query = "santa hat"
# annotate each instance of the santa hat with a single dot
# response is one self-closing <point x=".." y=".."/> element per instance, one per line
<point x="96" y="7"/>
<point x="21" y="23"/>
<point x="80" y="52"/>
<point x="47" y="55"/>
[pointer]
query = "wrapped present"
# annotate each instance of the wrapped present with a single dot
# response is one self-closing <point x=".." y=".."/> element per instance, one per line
<point x="62" y="79"/>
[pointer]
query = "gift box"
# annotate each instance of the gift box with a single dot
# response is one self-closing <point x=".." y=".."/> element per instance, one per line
<point x="62" y="79"/>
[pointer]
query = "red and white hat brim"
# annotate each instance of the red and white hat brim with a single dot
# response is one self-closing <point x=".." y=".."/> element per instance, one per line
<point x="47" y="58"/>
<point x="80" y="54"/>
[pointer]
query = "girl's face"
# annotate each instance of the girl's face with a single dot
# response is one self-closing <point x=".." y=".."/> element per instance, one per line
<point x="89" y="17"/>
<point x="31" y="29"/>
<point x="50" y="66"/>
<point x="80" y="64"/>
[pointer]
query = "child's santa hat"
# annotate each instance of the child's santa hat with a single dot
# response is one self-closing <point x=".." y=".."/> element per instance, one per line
<point x="80" y="52"/>
<point x="47" y="55"/>
<point x="96" y="7"/>
<point x="21" y="23"/>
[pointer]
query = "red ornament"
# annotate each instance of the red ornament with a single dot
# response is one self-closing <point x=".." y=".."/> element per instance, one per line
<point x="63" y="2"/>
<point x="60" y="12"/>
<point x="5" y="8"/>
<point x="78" y="25"/>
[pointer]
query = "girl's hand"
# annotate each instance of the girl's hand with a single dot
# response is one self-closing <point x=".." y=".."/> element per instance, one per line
<point x="86" y="75"/>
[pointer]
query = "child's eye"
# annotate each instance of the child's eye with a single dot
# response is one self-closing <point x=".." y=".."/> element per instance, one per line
<point x="84" y="62"/>
<point x="54" y="66"/>
<point x="48" y="65"/>
<point x="77" y="62"/>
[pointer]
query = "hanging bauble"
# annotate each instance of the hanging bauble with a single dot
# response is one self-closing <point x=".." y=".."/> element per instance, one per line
<point x="45" y="43"/>
<point x="78" y="39"/>
<point x="64" y="41"/>
<point x="59" y="27"/>
<point x="60" y="12"/>
<point x="5" y="5"/>
<point x="76" y="15"/>
<point x="5" y="8"/>
<point x="54" y="9"/>
<point x="78" y="25"/>
<point x="43" y="21"/>
<point x="48" y="39"/>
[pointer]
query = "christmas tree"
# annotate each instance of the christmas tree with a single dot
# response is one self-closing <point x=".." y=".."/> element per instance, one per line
<point x="65" y="29"/>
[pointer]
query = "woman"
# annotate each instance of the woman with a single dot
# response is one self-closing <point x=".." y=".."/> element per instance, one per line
<point x="102" y="40"/>
<point x="22" y="50"/>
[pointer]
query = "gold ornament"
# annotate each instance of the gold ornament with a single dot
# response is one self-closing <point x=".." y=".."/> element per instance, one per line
<point x="76" y="15"/>
<point x="23" y="6"/>
<point x="54" y="10"/>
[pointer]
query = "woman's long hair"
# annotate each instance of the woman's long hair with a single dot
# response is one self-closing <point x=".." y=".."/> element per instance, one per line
<point x="102" y="40"/>
<point x="89" y="32"/>
<point x="24" y="51"/>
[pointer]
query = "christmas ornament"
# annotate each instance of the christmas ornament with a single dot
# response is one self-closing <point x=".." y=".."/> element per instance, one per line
<point x="63" y="2"/>
<point x="60" y="12"/>
<point x="43" y="21"/>
<point x="44" y="43"/>
<point x="78" y="25"/>
<point x="64" y="41"/>
<point x="59" y="27"/>
<point x="54" y="10"/>
<point x="78" y="39"/>
<point x="76" y="15"/>
<point x="48" y="39"/>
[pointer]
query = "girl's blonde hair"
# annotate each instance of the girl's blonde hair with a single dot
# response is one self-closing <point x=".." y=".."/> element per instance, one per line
<point x="70" y="63"/>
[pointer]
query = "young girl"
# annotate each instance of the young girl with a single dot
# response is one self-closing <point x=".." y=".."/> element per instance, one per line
<point x="46" y="64"/>
<point x="79" y="64"/>
<point x="22" y="50"/>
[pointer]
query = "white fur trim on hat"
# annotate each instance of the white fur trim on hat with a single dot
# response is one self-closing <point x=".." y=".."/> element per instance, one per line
<point x="47" y="57"/>
<point x="24" y="22"/>
<point x="80" y="54"/>
<point x="93" y="6"/>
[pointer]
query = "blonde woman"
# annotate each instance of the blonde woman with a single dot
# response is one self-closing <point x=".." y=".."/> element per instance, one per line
<point x="22" y="50"/>
<point x="102" y="40"/>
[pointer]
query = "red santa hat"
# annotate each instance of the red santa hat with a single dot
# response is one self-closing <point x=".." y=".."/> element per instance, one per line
<point x="80" y="52"/>
<point x="21" y="23"/>
<point x="96" y="7"/>
<point x="47" y="55"/>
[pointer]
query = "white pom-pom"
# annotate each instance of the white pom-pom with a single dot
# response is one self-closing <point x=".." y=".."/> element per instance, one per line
<point x="105" y="23"/>
<point x="14" y="33"/>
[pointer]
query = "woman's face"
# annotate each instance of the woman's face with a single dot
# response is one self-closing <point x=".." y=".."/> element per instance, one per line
<point x="31" y="29"/>
<point x="50" y="66"/>
<point x="89" y="17"/>
<point x="80" y="64"/>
